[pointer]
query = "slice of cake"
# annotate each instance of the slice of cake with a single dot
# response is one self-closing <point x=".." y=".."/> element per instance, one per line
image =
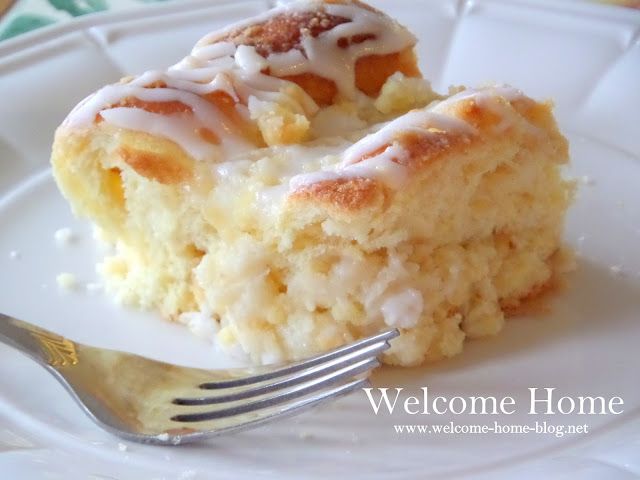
<point x="293" y="184"/>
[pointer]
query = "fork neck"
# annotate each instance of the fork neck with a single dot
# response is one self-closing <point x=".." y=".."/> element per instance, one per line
<point x="45" y="347"/>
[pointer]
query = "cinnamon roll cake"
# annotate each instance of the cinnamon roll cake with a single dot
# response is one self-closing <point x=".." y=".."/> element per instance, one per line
<point x="294" y="184"/>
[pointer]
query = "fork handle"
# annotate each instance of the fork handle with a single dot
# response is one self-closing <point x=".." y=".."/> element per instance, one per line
<point x="43" y="346"/>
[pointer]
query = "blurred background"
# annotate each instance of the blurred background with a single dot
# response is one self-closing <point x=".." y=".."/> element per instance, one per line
<point x="21" y="16"/>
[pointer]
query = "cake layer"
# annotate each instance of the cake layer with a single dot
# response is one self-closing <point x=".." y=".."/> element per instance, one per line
<point x="395" y="207"/>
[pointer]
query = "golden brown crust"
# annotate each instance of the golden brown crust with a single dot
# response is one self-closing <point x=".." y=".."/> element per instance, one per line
<point x="426" y="148"/>
<point x="345" y="194"/>
<point x="540" y="114"/>
<point x="373" y="71"/>
<point x="155" y="166"/>
<point x="532" y="302"/>
<point x="282" y="33"/>
<point x="322" y="90"/>
<point x="112" y="186"/>
<point x="285" y="32"/>
<point x="164" y="108"/>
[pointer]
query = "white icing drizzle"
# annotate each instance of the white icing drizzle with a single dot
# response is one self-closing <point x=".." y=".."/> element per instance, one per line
<point x="181" y="128"/>
<point x="112" y="94"/>
<point x="418" y="120"/>
<point x="381" y="167"/>
<point x="495" y="99"/>
<point x="249" y="60"/>
<point x="237" y="71"/>
<point x="386" y="166"/>
<point x="338" y="64"/>
<point x="481" y="96"/>
<point x="232" y="168"/>
<point x="209" y="52"/>
<point x="292" y="62"/>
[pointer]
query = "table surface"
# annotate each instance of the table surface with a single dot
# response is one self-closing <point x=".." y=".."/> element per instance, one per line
<point x="21" y="16"/>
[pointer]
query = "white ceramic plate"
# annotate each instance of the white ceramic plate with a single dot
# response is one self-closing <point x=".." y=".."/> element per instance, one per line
<point x="586" y="57"/>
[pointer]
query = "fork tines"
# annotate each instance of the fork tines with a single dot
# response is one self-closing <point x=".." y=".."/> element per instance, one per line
<point x="291" y="387"/>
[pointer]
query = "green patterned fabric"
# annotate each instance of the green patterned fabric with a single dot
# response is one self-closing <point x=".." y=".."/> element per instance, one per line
<point x="23" y="23"/>
<point x="79" y="7"/>
<point x="27" y="15"/>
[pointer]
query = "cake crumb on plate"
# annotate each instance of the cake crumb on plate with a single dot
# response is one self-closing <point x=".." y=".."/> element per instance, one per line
<point x="587" y="180"/>
<point x="67" y="281"/>
<point x="93" y="287"/>
<point x="64" y="237"/>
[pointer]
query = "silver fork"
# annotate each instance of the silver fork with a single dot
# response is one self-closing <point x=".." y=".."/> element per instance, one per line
<point x="154" y="402"/>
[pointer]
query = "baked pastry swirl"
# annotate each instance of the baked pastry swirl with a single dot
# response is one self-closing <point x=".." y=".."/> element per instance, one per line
<point x="294" y="184"/>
